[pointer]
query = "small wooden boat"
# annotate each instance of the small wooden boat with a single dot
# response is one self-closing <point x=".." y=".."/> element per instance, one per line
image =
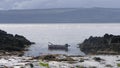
<point x="52" y="46"/>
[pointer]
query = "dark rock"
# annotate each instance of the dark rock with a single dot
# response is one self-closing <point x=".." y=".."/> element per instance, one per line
<point x="66" y="59"/>
<point x="31" y="65"/>
<point x="80" y="67"/>
<point x="81" y="60"/>
<point x="97" y="59"/>
<point x="92" y="67"/>
<point x="9" y="42"/>
<point x="2" y="32"/>
<point x="48" y="57"/>
<point x="108" y="65"/>
<point x="108" y="44"/>
<point x="55" y="57"/>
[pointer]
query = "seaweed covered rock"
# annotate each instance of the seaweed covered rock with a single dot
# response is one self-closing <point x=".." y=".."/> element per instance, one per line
<point x="108" y="44"/>
<point x="10" y="42"/>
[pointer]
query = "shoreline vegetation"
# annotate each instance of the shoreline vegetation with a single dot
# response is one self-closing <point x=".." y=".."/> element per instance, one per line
<point x="101" y="52"/>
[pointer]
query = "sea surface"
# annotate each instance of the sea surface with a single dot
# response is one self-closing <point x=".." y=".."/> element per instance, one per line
<point x="72" y="34"/>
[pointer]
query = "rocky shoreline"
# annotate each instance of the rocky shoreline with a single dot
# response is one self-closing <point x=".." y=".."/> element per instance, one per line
<point x="108" y="44"/>
<point x="12" y="48"/>
<point x="13" y="44"/>
<point x="61" y="61"/>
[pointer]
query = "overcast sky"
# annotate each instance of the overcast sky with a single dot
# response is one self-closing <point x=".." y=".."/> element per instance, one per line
<point x="41" y="4"/>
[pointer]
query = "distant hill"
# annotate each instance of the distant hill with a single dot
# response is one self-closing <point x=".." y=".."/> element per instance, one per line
<point x="61" y="15"/>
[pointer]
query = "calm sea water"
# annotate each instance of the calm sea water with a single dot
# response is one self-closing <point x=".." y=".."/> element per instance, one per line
<point x="72" y="34"/>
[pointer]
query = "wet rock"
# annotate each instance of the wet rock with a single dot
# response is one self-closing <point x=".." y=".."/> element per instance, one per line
<point x="56" y="57"/>
<point x="108" y="65"/>
<point x="72" y="62"/>
<point x="80" y="67"/>
<point x="49" y="57"/>
<point x="31" y="65"/>
<point x="66" y="59"/>
<point x="81" y="60"/>
<point x="118" y="60"/>
<point x="92" y="67"/>
<point x="97" y="59"/>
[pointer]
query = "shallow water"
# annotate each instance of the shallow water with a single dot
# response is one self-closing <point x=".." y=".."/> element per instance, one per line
<point x="72" y="34"/>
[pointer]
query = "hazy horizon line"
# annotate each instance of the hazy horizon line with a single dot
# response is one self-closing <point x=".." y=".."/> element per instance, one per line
<point x="64" y="8"/>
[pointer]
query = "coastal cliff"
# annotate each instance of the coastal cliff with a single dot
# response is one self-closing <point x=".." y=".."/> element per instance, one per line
<point x="10" y="42"/>
<point x="107" y="44"/>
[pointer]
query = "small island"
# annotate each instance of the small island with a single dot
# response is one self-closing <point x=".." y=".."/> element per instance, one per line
<point x="108" y="44"/>
<point x="12" y="44"/>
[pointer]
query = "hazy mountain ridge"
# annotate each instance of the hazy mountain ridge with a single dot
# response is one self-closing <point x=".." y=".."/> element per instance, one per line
<point x="62" y="15"/>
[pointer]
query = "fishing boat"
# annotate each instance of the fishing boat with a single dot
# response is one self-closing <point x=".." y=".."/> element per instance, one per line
<point x="52" y="46"/>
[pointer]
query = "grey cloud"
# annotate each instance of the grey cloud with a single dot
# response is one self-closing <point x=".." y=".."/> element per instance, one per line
<point x="8" y="4"/>
<point x="36" y="4"/>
